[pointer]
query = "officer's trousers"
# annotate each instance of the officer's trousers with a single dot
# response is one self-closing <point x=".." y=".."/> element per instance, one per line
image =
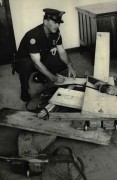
<point x="25" y="67"/>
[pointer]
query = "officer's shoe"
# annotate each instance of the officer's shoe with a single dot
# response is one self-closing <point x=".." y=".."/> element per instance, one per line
<point x="39" y="79"/>
<point x="25" y="96"/>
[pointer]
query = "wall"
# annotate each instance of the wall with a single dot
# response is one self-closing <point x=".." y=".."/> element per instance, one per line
<point x="27" y="14"/>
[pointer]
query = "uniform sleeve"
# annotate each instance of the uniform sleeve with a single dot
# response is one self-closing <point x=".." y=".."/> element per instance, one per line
<point x="32" y="43"/>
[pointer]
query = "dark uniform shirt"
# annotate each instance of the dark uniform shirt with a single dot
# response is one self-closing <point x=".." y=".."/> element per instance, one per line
<point x="36" y="41"/>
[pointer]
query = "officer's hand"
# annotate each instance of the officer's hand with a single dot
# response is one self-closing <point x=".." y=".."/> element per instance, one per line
<point x="71" y="72"/>
<point x="59" y="79"/>
<point x="53" y="51"/>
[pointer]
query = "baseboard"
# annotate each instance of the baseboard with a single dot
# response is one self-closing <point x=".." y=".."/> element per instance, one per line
<point x="73" y="50"/>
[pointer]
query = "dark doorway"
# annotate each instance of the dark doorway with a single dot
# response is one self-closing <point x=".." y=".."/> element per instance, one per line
<point x="7" y="40"/>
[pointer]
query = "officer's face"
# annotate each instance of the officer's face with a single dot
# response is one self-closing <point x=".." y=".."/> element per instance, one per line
<point x="52" y="26"/>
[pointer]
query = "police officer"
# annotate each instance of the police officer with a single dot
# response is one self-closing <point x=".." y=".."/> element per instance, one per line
<point x="41" y="50"/>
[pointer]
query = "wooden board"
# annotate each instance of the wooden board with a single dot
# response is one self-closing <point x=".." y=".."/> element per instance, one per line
<point x="50" y="107"/>
<point x="70" y="80"/>
<point x="30" y="144"/>
<point x="99" y="104"/>
<point x="68" y="98"/>
<point x="35" y="101"/>
<point x="29" y="121"/>
<point x="75" y="117"/>
<point x="102" y="56"/>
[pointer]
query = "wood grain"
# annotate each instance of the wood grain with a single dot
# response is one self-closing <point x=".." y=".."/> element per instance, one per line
<point x="68" y="98"/>
<point x="102" y="56"/>
<point x="99" y="104"/>
<point x="30" y="121"/>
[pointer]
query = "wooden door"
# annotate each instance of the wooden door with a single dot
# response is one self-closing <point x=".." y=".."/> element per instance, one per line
<point x="7" y="41"/>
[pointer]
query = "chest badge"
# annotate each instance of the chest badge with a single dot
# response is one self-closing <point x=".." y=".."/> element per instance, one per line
<point x="32" y="41"/>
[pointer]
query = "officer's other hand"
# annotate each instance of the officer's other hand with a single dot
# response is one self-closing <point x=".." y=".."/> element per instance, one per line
<point x="71" y="72"/>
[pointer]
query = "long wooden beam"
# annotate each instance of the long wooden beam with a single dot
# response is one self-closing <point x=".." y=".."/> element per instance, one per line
<point x="102" y="56"/>
<point x="29" y="121"/>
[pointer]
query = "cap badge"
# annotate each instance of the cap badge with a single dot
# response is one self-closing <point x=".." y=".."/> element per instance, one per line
<point x="32" y="41"/>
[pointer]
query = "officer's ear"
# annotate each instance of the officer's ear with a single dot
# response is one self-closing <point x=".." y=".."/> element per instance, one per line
<point x="45" y="21"/>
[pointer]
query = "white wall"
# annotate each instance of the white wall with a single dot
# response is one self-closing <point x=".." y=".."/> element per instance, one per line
<point x="27" y="14"/>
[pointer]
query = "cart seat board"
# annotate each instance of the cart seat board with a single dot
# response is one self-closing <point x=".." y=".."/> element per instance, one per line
<point x="68" y="98"/>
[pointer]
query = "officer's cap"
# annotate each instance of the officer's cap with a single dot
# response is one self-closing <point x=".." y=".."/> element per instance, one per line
<point x="54" y="14"/>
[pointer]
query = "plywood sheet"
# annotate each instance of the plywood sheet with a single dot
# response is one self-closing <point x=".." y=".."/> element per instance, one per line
<point x="99" y="104"/>
<point x="68" y="98"/>
<point x="102" y="56"/>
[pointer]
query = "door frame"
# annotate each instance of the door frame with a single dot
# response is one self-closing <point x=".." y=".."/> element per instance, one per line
<point x="12" y="41"/>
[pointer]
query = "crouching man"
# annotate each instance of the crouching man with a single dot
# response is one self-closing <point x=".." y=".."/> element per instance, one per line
<point x="41" y="50"/>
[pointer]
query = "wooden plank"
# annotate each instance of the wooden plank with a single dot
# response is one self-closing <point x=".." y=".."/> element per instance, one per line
<point x="68" y="98"/>
<point x="31" y="144"/>
<point x="102" y="56"/>
<point x="81" y="25"/>
<point x="85" y="28"/>
<point x="33" y="104"/>
<point x="29" y="121"/>
<point x="75" y="116"/>
<point x="99" y="104"/>
<point x="50" y="107"/>
<point x="79" y="81"/>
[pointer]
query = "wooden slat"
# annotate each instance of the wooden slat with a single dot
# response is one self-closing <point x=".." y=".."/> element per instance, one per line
<point x="102" y="56"/>
<point x="50" y="107"/>
<point x="30" y="121"/>
<point x="68" y="116"/>
<point x="81" y="26"/>
<point x="89" y="38"/>
<point x="85" y="28"/>
<point x="68" y="98"/>
<point x="75" y="82"/>
<point x="79" y="81"/>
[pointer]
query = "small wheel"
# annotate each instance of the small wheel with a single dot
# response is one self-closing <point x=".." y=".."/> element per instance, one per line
<point x="115" y="126"/>
<point x="85" y="127"/>
<point x="28" y="173"/>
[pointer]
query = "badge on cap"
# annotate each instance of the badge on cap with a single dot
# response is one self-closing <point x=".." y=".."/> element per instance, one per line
<point x="32" y="41"/>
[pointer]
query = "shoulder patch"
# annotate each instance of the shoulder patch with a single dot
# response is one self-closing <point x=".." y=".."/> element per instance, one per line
<point x="32" y="41"/>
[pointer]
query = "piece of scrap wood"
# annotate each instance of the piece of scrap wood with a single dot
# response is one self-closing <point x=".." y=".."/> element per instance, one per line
<point x="68" y="98"/>
<point x="99" y="104"/>
<point x="30" y="144"/>
<point x="102" y="56"/>
<point x="29" y="121"/>
<point x="79" y="81"/>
